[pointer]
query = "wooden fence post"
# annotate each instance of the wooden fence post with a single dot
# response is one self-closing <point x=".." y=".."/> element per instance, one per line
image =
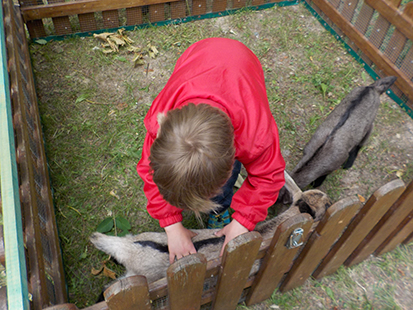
<point x="369" y="215"/>
<point x="326" y="233"/>
<point x="128" y="293"/>
<point x="185" y="282"/>
<point x="239" y="255"/>
<point x="389" y="223"/>
<point x="278" y="259"/>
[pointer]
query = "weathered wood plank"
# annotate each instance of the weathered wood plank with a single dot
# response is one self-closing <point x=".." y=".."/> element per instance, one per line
<point x="128" y="293"/>
<point x="82" y="7"/>
<point x="395" y="239"/>
<point x="178" y="9"/>
<point x="17" y="287"/>
<point x="326" y="233"/>
<point x="198" y="7"/>
<point x="239" y="255"/>
<point x="388" y="223"/>
<point x="87" y="22"/>
<point x="134" y="16"/>
<point x="278" y="259"/>
<point x="236" y="4"/>
<point x="156" y="12"/>
<point x="382" y="61"/>
<point x="368" y="216"/>
<point x="110" y="19"/>
<point x="219" y="5"/>
<point x="408" y="239"/>
<point x="185" y="282"/>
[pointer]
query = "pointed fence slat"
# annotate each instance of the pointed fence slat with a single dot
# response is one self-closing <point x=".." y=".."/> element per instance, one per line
<point x="368" y="216"/>
<point x="237" y="260"/>
<point x="278" y="259"/>
<point x="326" y="233"/>
<point x="387" y="224"/>
<point x="399" y="237"/>
<point x="128" y="293"/>
<point x="408" y="239"/>
<point x="185" y="282"/>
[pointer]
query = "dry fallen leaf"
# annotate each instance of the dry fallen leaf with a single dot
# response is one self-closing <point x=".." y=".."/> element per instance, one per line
<point x="361" y="198"/>
<point x="113" y="193"/>
<point x="109" y="273"/>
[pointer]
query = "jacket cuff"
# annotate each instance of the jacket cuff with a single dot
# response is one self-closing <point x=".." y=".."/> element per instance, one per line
<point x="243" y="221"/>
<point x="170" y="220"/>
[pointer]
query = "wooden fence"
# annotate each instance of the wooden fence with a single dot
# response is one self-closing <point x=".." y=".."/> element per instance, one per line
<point x="349" y="233"/>
<point x="376" y="31"/>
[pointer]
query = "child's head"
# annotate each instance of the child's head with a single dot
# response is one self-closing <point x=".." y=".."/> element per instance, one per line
<point x="193" y="155"/>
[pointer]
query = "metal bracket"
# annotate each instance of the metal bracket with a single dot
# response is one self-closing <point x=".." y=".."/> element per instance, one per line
<point x="295" y="237"/>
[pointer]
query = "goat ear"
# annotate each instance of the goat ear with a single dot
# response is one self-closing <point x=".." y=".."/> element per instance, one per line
<point x="305" y="208"/>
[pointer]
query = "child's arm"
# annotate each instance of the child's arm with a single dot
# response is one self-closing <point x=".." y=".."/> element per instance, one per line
<point x="179" y="241"/>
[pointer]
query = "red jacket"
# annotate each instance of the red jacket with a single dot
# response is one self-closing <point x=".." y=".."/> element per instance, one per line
<point x="225" y="74"/>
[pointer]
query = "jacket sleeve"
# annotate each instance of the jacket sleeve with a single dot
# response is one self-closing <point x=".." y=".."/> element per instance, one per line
<point x="260" y="189"/>
<point x="157" y="207"/>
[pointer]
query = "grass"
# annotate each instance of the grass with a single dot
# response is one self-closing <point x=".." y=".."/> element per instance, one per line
<point x="92" y="107"/>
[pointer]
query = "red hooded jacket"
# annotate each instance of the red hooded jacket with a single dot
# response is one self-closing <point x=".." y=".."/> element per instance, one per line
<point x="225" y="74"/>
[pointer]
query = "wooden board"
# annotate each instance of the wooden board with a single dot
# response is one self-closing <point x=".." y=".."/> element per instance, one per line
<point x="278" y="259"/>
<point x="388" y="223"/>
<point x="82" y="7"/>
<point x="128" y="293"/>
<point x="368" y="216"/>
<point x="326" y="233"/>
<point x="17" y="288"/>
<point x="185" y="282"/>
<point x="239" y="255"/>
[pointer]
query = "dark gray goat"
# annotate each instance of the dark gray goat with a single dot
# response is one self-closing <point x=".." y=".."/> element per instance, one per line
<point x="339" y="138"/>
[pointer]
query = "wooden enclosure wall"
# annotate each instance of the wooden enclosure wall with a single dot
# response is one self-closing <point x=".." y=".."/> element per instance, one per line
<point x="349" y="233"/>
<point x="380" y="33"/>
<point x="43" y="256"/>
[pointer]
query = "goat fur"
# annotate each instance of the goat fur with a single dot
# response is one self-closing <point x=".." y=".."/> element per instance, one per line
<point x="339" y="138"/>
<point x="147" y="253"/>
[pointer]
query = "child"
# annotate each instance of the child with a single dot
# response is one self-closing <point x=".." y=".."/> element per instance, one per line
<point x="212" y="115"/>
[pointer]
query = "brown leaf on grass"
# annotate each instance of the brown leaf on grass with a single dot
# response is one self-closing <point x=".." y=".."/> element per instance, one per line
<point x="121" y="106"/>
<point x="109" y="273"/>
<point x="361" y="198"/>
<point x="103" y="36"/>
<point x="96" y="272"/>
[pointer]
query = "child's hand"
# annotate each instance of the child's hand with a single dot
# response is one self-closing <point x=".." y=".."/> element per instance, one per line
<point x="231" y="231"/>
<point x="179" y="241"/>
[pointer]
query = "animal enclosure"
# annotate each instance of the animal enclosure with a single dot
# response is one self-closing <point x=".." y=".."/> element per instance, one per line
<point x="388" y="207"/>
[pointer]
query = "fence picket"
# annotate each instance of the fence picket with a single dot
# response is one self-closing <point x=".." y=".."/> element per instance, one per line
<point x="277" y="261"/>
<point x="368" y="216"/>
<point x="87" y="22"/>
<point x="185" y="282"/>
<point x="326" y="233"/>
<point x="198" y="7"/>
<point x="394" y="216"/>
<point x="408" y="239"/>
<point x="393" y="241"/>
<point x="128" y="293"/>
<point x="239" y="255"/>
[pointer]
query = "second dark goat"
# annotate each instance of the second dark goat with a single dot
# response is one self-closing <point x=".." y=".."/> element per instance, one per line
<point x="339" y="138"/>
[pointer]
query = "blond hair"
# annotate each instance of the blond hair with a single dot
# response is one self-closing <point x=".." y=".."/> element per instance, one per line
<point x="193" y="155"/>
